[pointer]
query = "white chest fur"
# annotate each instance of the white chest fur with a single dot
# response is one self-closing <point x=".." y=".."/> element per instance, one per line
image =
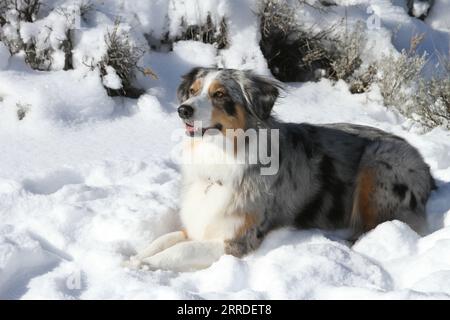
<point x="209" y="191"/>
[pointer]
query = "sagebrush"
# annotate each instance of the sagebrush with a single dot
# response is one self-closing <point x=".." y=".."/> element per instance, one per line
<point x="295" y="52"/>
<point x="432" y="100"/>
<point x="123" y="56"/>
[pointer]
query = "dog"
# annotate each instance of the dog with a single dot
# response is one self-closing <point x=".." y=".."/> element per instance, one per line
<point x="335" y="176"/>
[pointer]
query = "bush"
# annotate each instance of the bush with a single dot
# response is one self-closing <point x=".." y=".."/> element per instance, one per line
<point x="419" y="8"/>
<point x="346" y="53"/>
<point x="293" y="52"/>
<point x="363" y="78"/>
<point x="26" y="10"/>
<point x="40" y="47"/>
<point x="298" y="53"/>
<point x="12" y="13"/>
<point x="206" y="33"/>
<point x="38" y="57"/>
<point x="398" y="77"/>
<point x="432" y="101"/>
<point x="121" y="58"/>
<point x="3" y="10"/>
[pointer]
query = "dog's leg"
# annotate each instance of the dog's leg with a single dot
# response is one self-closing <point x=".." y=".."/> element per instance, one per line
<point x="158" y="245"/>
<point x="245" y="243"/>
<point x="187" y="256"/>
<point x="162" y="243"/>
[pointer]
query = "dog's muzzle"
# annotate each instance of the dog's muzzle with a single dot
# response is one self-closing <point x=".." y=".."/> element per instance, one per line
<point x="185" y="111"/>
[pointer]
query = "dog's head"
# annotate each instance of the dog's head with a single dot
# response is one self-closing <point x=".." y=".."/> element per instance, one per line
<point x="225" y="99"/>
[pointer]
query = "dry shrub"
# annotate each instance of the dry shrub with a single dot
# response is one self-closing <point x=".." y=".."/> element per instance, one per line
<point x="298" y="53"/>
<point x="347" y="53"/>
<point x="398" y="77"/>
<point x="123" y="56"/>
<point x="363" y="78"/>
<point x="38" y="49"/>
<point x="293" y="52"/>
<point x="12" y="12"/>
<point x="208" y="32"/>
<point x="419" y="8"/>
<point x="432" y="100"/>
<point x="26" y="10"/>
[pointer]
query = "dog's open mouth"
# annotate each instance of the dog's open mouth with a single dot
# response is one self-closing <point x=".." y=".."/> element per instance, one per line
<point x="192" y="131"/>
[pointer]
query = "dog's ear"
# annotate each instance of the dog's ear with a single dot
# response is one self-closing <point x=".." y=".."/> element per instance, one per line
<point x="187" y="80"/>
<point x="260" y="94"/>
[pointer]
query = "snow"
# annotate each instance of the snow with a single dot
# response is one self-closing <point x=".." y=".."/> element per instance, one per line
<point x="420" y="8"/>
<point x="4" y="56"/>
<point x="438" y="16"/>
<point x="111" y="79"/>
<point x="59" y="96"/>
<point x="87" y="180"/>
<point x="196" y="53"/>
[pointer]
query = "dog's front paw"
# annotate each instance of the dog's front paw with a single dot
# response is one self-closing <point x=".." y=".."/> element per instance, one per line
<point x="133" y="263"/>
<point x="160" y="244"/>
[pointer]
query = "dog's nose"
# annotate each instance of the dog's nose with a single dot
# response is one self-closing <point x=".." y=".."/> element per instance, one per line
<point x="185" y="111"/>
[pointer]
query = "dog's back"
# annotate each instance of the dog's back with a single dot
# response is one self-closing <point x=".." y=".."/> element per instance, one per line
<point x="343" y="175"/>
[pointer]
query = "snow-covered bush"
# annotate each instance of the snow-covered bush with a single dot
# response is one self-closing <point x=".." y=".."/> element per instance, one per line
<point x="403" y="87"/>
<point x="293" y="52"/>
<point x="398" y="76"/>
<point x="419" y="8"/>
<point x="47" y="42"/>
<point x="206" y="33"/>
<point x="363" y="79"/>
<point x="209" y="31"/>
<point x="346" y="54"/>
<point x="296" y="52"/>
<point x="119" y="65"/>
<point x="72" y="17"/>
<point x="432" y="101"/>
<point x="12" y="14"/>
<point x="26" y="10"/>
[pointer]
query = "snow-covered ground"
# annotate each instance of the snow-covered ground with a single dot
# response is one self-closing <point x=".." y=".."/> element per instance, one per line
<point x="86" y="180"/>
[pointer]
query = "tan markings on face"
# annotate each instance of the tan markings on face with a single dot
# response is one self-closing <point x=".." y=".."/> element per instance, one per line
<point x="228" y="122"/>
<point x="196" y="87"/>
<point x="216" y="87"/>
<point x="237" y="121"/>
<point x="364" y="209"/>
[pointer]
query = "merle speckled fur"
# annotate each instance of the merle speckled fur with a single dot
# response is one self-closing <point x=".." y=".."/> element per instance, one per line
<point x="319" y="166"/>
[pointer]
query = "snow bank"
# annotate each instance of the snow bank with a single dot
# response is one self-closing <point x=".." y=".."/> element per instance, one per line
<point x="438" y="16"/>
<point x="414" y="262"/>
<point x="68" y="97"/>
<point x="94" y="213"/>
<point x="86" y="180"/>
<point x="196" y="53"/>
<point x="21" y="258"/>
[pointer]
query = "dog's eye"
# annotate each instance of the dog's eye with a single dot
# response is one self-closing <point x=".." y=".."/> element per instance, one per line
<point x="191" y="91"/>
<point x="218" y="94"/>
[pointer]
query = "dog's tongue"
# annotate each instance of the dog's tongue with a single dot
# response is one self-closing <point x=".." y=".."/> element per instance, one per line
<point x="190" y="129"/>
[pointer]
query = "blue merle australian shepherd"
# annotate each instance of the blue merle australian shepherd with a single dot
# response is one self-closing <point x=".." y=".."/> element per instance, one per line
<point x="335" y="176"/>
